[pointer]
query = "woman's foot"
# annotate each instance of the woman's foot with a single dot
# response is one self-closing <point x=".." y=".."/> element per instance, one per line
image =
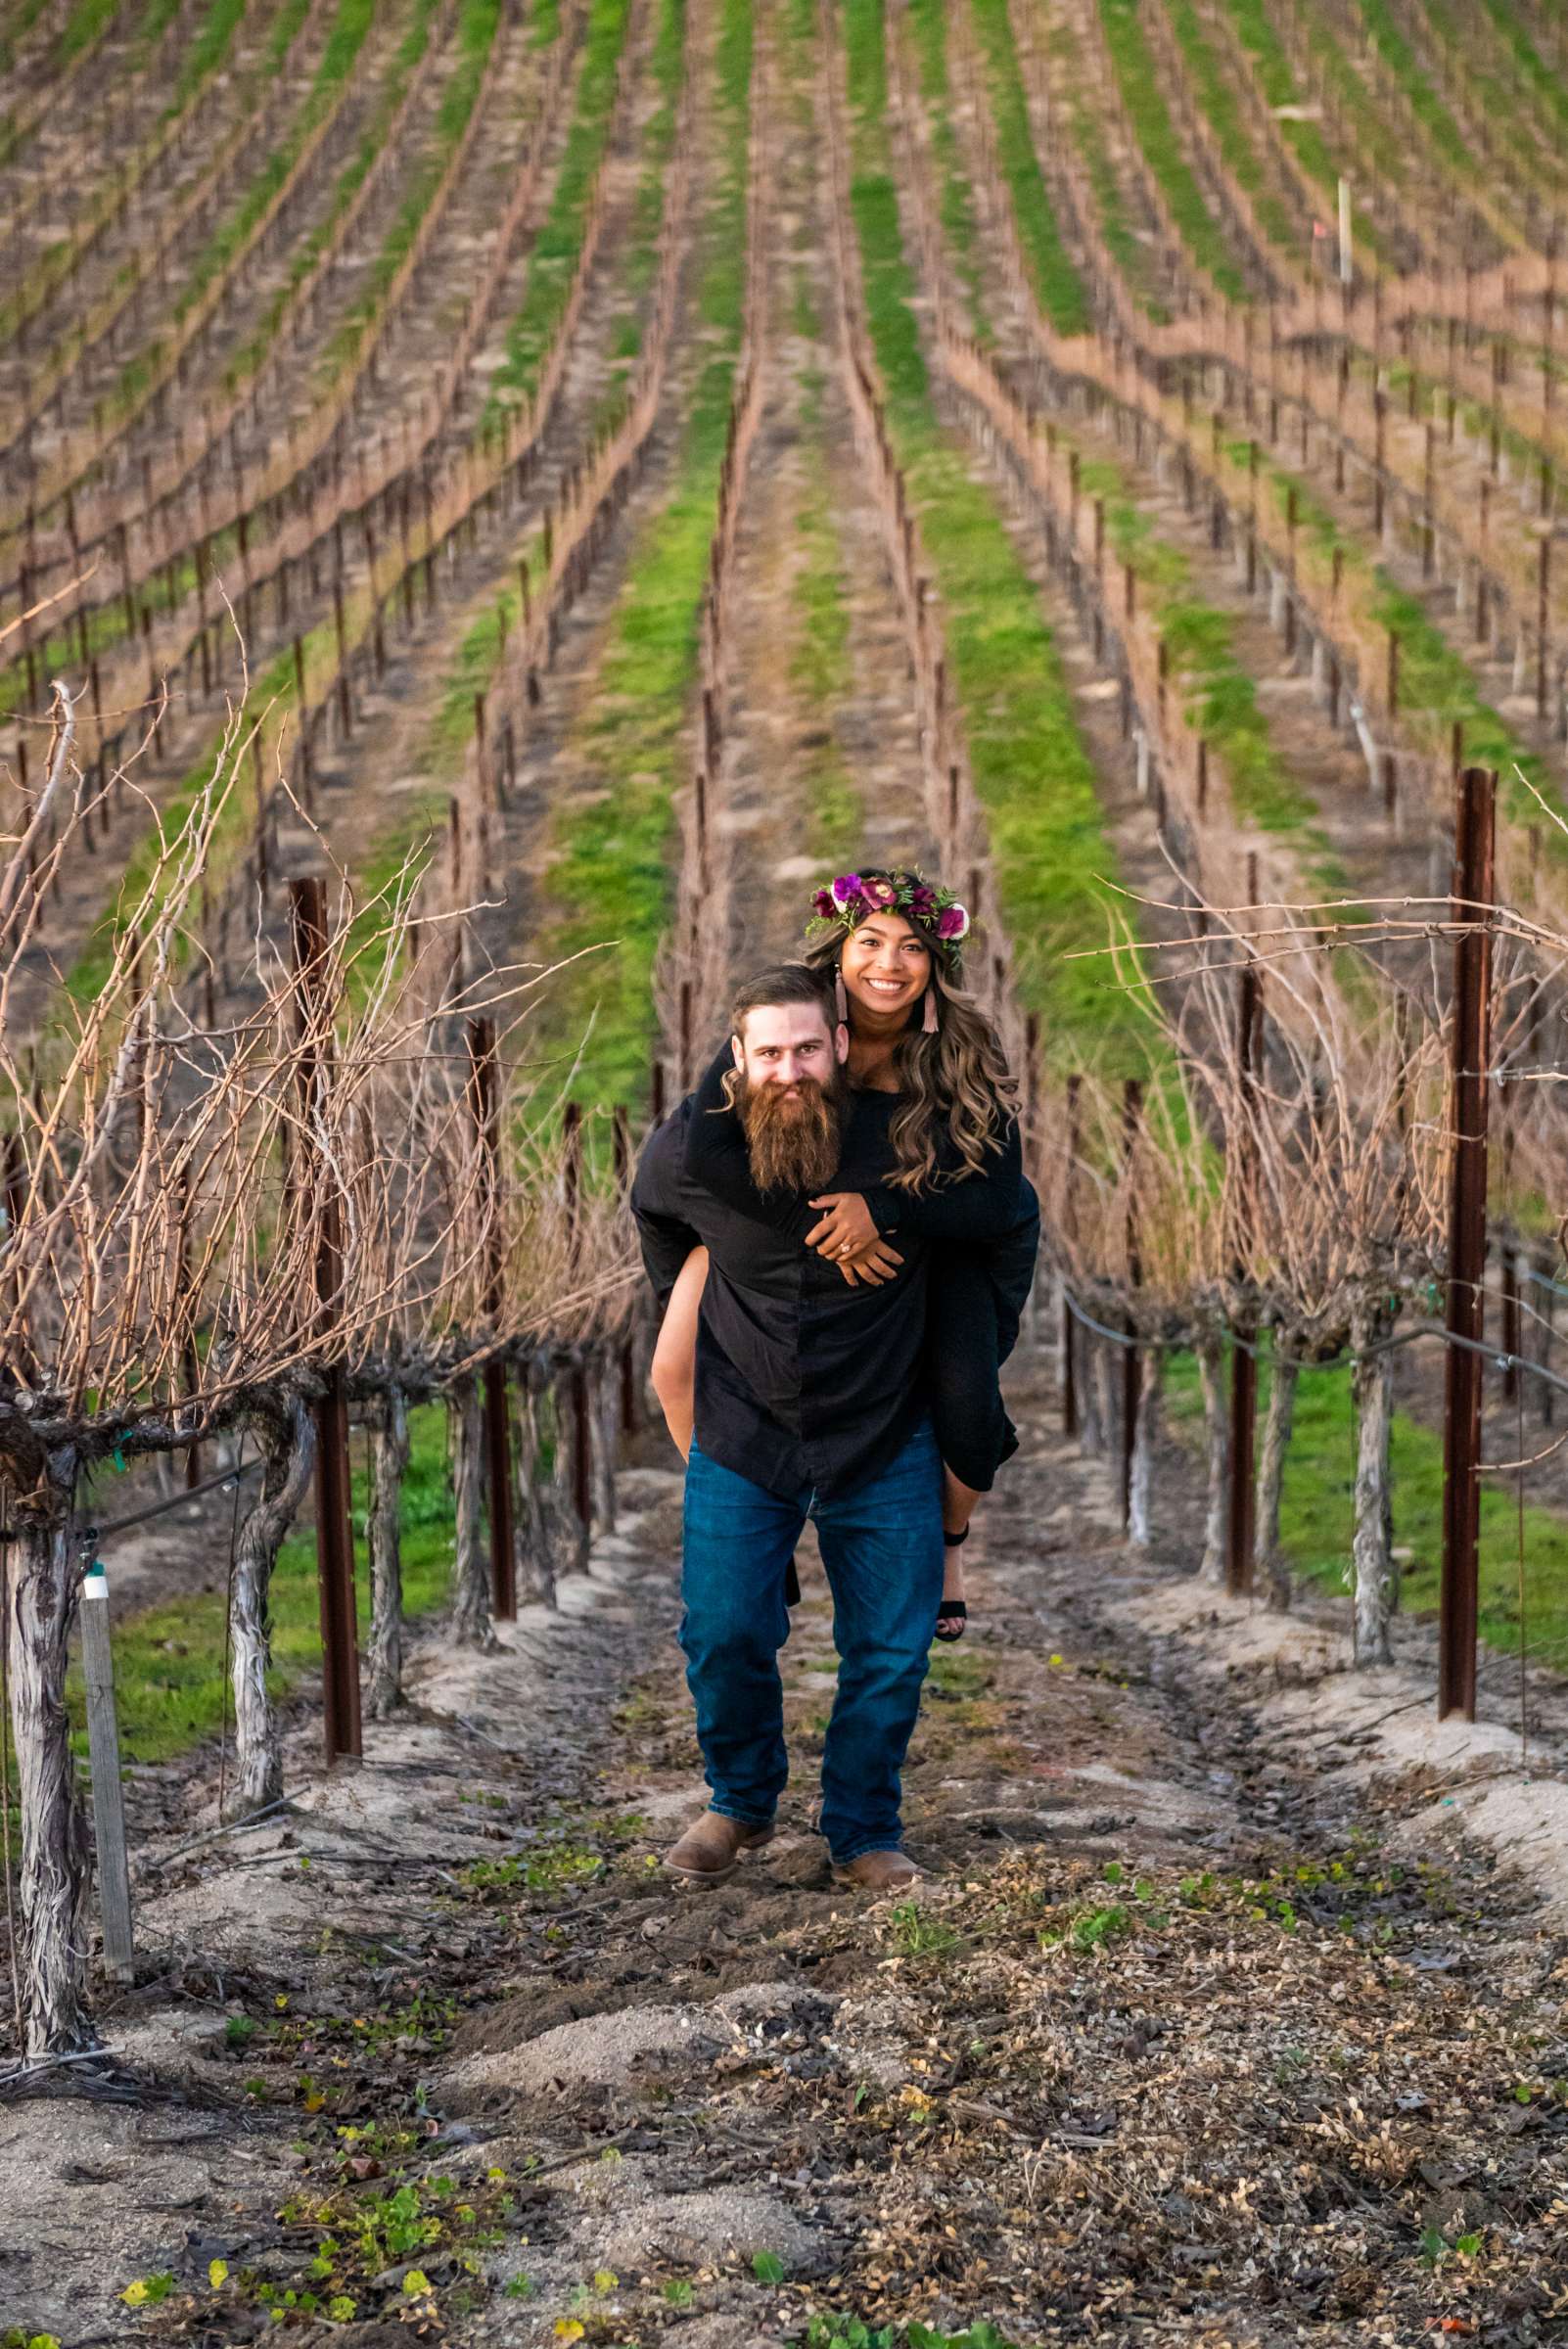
<point x="952" y="1616"/>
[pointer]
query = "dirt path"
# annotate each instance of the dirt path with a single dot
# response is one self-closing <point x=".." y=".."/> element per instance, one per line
<point x="1211" y="2024"/>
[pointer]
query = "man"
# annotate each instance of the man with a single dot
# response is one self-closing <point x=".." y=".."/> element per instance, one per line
<point x="810" y="1403"/>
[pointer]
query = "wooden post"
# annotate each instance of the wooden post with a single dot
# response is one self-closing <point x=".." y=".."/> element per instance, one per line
<point x="1473" y="881"/>
<point x="109" y="1795"/>
<point x="335" y="1542"/>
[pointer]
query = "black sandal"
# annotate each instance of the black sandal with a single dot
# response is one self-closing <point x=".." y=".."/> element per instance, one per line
<point x="952" y="1616"/>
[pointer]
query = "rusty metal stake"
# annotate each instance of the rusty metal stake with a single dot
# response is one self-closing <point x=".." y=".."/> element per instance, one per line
<point x="1473" y="880"/>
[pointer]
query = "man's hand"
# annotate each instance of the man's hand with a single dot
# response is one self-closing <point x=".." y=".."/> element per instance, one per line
<point x="873" y="1264"/>
<point x="846" y="1229"/>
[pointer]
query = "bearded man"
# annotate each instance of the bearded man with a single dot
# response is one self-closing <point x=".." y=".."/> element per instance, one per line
<point x="810" y="1401"/>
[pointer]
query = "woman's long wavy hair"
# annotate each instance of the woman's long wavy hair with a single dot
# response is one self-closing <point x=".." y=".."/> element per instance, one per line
<point x="957" y="1078"/>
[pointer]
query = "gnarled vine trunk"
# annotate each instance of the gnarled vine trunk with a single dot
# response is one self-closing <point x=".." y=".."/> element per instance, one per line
<point x="389" y="1465"/>
<point x="1211" y="1352"/>
<point x="471" y="1565"/>
<point x="1271" y="1573"/>
<point x="1146" y="1435"/>
<point x="44" y="1581"/>
<point x="535" y="1564"/>
<point x="287" y="1434"/>
<point x="604" y="1413"/>
<point x="1376" y="1581"/>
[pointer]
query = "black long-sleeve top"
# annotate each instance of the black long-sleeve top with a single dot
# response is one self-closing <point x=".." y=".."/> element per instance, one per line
<point x="803" y="1382"/>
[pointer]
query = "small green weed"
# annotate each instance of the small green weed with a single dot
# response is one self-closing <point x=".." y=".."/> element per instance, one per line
<point x="915" y="1934"/>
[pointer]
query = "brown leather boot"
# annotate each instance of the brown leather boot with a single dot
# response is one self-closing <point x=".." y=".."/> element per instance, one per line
<point x="880" y="1871"/>
<point x="711" y="1846"/>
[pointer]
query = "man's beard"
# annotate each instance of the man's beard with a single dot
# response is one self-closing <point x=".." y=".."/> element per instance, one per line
<point x="792" y="1132"/>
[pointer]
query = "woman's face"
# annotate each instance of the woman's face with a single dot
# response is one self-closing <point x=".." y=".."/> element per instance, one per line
<point x="886" y="965"/>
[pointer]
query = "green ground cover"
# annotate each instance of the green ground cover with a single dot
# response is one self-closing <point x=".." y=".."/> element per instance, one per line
<point x="1220" y="693"/>
<point x="1030" y="766"/>
<point x="1543" y="81"/>
<point x="1206" y="238"/>
<point x="609" y="880"/>
<point x="928" y="24"/>
<point x="820" y="664"/>
<point x="1254" y="20"/>
<point x="1058" y="286"/>
<point x="478" y="21"/>
<point x="170" y="1683"/>
<point x="1219" y="102"/>
<point x="1132" y="254"/>
<point x="553" y="259"/>
<point x="1318" y="1511"/>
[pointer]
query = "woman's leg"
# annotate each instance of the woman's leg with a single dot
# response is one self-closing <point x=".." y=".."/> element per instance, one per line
<point x="674" y="1362"/>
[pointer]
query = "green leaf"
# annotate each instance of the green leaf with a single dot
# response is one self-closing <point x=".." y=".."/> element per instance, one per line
<point x="679" y="2293"/>
<point x="218" y="2274"/>
<point x="768" y="2267"/>
<point x="416" y="2281"/>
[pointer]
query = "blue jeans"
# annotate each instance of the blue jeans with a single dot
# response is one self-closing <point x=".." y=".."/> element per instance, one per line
<point x="882" y="1547"/>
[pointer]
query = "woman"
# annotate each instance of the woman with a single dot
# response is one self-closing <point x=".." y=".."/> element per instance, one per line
<point x="894" y="945"/>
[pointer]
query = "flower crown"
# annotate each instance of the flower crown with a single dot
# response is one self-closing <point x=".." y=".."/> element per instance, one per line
<point x="934" y="911"/>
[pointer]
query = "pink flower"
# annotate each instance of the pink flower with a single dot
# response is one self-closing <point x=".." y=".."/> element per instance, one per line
<point x="952" y="923"/>
<point x="846" y="889"/>
<point x="880" y="892"/>
<point x="822" y="904"/>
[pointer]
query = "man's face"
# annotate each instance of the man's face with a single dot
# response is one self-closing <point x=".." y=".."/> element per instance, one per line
<point x="791" y="1095"/>
<point x="789" y="1044"/>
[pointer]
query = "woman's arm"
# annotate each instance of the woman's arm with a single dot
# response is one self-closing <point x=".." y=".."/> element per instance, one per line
<point x="674" y="1372"/>
<point x="976" y="1207"/>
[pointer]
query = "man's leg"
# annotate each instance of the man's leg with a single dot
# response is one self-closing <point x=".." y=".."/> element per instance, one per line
<point x="882" y="1547"/>
<point x="738" y="1541"/>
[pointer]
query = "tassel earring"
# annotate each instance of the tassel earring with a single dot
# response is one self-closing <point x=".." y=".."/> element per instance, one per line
<point x="841" y="1000"/>
<point x="930" y="1022"/>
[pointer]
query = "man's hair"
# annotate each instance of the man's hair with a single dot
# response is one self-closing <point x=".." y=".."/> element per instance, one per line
<point x="785" y="982"/>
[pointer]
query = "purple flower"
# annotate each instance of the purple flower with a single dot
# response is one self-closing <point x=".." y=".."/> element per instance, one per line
<point x="822" y="904"/>
<point x="952" y="923"/>
<point x="846" y="889"/>
<point x="923" y="901"/>
<point x="880" y="892"/>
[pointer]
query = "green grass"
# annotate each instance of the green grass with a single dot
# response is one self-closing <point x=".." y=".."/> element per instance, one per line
<point x="169" y="1684"/>
<point x="1254" y="20"/>
<point x="1218" y="102"/>
<point x="476" y="25"/>
<point x="609" y="882"/>
<point x="928" y="25"/>
<point x="1057" y="285"/>
<point x="1378" y="18"/>
<point x="1206" y="239"/>
<point x="820" y="665"/>
<point x="554" y="258"/>
<point x="1545" y="81"/>
<point x="1318" y="1511"/>
<point x="1133" y="257"/>
<point x="1031" y="769"/>
<point x="1436" y="680"/>
<point x="350" y="27"/>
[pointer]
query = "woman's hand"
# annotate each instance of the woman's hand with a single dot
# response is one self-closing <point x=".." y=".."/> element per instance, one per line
<point x="873" y="1264"/>
<point x="846" y="1229"/>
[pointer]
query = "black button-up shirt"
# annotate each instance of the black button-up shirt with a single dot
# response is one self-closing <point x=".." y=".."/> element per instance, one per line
<point x="803" y="1383"/>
